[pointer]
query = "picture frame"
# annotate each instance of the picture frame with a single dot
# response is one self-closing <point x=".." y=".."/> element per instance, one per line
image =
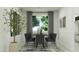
<point x="63" y="22"/>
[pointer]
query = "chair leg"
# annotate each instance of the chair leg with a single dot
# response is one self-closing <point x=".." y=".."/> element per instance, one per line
<point x="26" y="43"/>
<point x="46" y="44"/>
<point x="43" y="45"/>
<point x="36" y="45"/>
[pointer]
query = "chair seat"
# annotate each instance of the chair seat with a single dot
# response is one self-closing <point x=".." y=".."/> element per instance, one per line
<point x="51" y="37"/>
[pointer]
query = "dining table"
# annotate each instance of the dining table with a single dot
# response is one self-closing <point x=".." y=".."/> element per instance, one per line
<point x="45" y="37"/>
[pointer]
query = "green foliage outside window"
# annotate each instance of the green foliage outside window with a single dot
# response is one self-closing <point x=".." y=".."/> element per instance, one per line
<point x="35" y="22"/>
<point x="44" y="20"/>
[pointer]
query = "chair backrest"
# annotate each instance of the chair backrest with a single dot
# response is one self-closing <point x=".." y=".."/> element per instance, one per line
<point x="27" y="37"/>
<point x="52" y="36"/>
<point x="40" y="38"/>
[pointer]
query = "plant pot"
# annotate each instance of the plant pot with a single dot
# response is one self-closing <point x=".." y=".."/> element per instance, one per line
<point x="13" y="47"/>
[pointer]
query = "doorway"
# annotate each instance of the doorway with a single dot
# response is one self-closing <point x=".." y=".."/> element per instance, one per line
<point x="77" y="33"/>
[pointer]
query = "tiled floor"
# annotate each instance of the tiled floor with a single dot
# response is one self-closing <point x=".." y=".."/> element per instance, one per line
<point x="30" y="48"/>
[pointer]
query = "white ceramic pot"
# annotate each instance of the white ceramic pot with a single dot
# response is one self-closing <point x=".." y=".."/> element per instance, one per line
<point x="13" y="47"/>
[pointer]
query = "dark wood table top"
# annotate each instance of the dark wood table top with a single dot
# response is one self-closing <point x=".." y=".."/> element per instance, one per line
<point x="45" y="35"/>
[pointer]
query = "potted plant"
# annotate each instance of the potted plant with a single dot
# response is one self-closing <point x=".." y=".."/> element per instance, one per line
<point x="15" y="28"/>
<point x="14" y="24"/>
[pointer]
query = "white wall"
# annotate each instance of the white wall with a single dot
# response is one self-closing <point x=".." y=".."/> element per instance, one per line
<point x="75" y="14"/>
<point x="66" y="35"/>
<point x="4" y="32"/>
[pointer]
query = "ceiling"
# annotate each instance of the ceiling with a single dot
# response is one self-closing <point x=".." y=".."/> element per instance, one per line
<point x="41" y="9"/>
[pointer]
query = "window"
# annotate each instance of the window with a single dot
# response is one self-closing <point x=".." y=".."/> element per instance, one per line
<point x="40" y="23"/>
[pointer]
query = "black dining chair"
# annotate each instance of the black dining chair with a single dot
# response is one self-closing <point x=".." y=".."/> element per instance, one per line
<point x="28" y="38"/>
<point x="39" y="40"/>
<point x="51" y="37"/>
